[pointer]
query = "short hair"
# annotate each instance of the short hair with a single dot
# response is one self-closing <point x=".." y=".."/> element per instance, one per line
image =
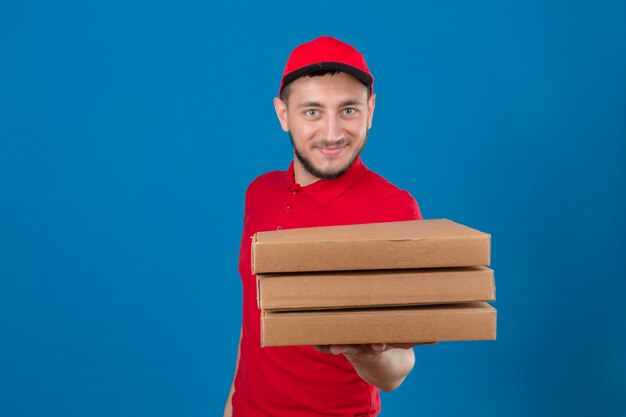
<point x="284" y="95"/>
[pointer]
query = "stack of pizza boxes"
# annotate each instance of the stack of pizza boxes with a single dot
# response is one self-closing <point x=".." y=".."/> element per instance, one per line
<point x="399" y="282"/>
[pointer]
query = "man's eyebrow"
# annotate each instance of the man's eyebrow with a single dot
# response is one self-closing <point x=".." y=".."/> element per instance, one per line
<point x="311" y="104"/>
<point x="349" y="102"/>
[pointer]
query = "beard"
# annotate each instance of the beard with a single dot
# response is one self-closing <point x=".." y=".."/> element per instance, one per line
<point x="311" y="169"/>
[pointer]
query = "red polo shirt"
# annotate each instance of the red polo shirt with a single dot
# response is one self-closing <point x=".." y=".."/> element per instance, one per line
<point x="299" y="381"/>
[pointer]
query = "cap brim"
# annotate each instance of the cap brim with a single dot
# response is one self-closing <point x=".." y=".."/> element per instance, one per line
<point x="360" y="75"/>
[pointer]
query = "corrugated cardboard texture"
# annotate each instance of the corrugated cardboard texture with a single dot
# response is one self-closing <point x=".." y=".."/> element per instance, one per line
<point x="410" y="244"/>
<point x="322" y="290"/>
<point x="469" y="321"/>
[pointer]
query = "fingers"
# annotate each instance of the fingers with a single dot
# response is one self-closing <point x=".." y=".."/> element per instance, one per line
<point x="332" y="349"/>
<point x="323" y="349"/>
<point x="378" y="347"/>
<point x="366" y="348"/>
<point x="409" y="345"/>
<point x="361" y="349"/>
<point x="352" y="349"/>
<point x="337" y="349"/>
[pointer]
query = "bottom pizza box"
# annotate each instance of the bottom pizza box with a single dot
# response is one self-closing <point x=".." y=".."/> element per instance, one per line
<point x="430" y="323"/>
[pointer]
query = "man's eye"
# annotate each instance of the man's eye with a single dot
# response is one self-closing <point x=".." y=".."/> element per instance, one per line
<point x="312" y="112"/>
<point x="349" y="111"/>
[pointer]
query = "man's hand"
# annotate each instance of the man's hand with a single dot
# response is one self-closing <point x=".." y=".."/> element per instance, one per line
<point x="384" y="365"/>
<point x="366" y="350"/>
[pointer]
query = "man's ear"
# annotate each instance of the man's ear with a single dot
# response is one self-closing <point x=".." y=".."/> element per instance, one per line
<point x="281" y="112"/>
<point x="371" y="103"/>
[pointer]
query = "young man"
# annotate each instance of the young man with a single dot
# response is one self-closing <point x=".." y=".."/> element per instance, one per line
<point x="325" y="104"/>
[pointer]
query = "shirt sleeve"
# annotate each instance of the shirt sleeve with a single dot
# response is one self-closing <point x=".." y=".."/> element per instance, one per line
<point x="400" y="206"/>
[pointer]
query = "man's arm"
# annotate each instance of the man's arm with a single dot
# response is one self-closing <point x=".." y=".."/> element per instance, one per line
<point x="228" y="408"/>
<point x="383" y="365"/>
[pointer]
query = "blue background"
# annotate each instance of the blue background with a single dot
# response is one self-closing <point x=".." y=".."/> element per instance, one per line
<point x="129" y="132"/>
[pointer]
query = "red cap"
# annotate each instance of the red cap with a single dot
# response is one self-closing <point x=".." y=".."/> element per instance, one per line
<point x="325" y="53"/>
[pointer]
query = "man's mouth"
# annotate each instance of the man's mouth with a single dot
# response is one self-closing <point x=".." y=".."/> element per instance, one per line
<point x="332" y="148"/>
<point x="332" y="151"/>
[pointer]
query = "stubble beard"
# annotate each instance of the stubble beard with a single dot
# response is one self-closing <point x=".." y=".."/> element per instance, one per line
<point x="311" y="169"/>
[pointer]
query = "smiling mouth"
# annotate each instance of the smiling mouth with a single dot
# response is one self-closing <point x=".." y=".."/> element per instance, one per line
<point x="328" y="148"/>
<point x="331" y="151"/>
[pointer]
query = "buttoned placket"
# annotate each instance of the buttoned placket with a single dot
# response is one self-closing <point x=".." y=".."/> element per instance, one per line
<point x="294" y="191"/>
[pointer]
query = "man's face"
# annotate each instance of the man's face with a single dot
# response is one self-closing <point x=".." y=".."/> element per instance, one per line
<point x="327" y="118"/>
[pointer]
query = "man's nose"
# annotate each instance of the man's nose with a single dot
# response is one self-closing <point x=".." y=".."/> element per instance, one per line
<point x="333" y="128"/>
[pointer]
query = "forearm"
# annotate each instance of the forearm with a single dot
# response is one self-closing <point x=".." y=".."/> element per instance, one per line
<point x="228" y="407"/>
<point x="385" y="370"/>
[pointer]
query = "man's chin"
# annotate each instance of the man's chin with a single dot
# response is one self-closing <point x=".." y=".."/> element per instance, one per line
<point x="326" y="168"/>
<point x="337" y="169"/>
<point x="329" y="171"/>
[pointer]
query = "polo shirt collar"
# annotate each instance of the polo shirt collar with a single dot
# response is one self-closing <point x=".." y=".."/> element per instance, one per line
<point x="325" y="191"/>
